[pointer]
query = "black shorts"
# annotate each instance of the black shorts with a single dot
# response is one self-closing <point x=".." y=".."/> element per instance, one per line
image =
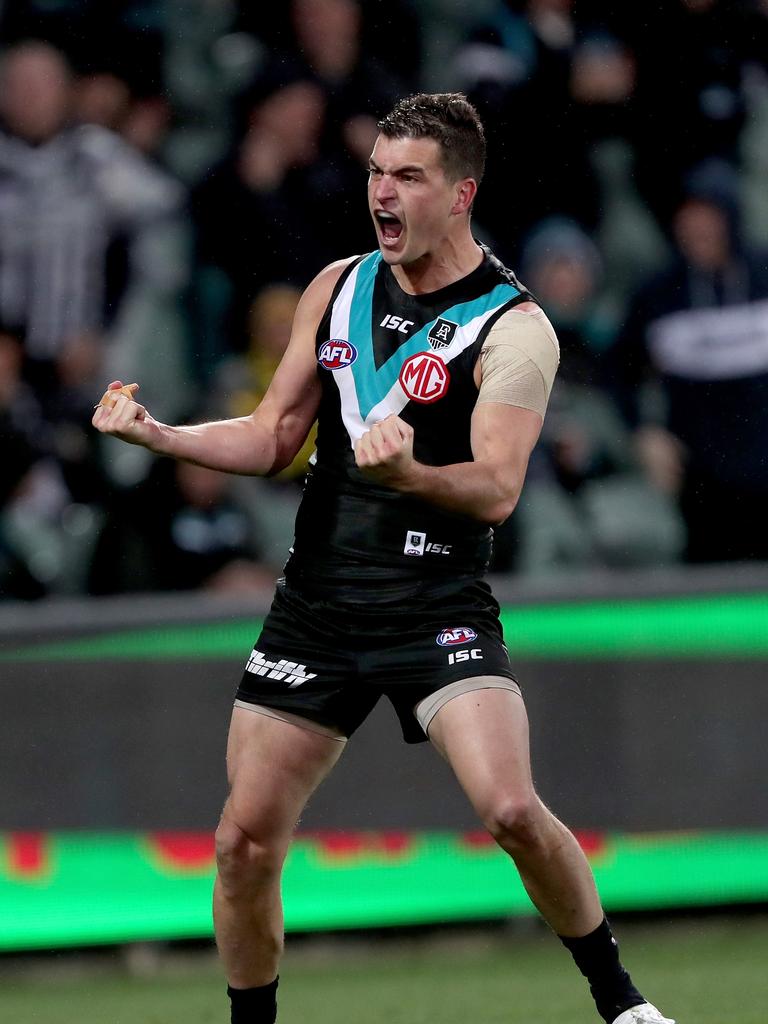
<point x="331" y="663"/>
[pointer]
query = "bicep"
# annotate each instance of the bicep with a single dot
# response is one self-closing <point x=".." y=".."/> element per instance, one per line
<point x="518" y="361"/>
<point x="516" y="369"/>
<point x="503" y="437"/>
<point x="289" y="407"/>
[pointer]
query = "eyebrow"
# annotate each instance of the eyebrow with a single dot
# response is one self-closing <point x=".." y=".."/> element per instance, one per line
<point x="407" y="169"/>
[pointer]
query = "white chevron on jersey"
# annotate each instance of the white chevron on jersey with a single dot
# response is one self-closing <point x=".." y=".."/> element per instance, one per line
<point x="395" y="400"/>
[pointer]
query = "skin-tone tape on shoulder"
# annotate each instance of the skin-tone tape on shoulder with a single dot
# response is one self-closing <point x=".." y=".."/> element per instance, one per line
<point x="519" y="360"/>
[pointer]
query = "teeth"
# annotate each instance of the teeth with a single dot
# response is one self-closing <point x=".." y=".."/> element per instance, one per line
<point x="387" y="216"/>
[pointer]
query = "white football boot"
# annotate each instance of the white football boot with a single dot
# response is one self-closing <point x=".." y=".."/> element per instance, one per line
<point x="645" y="1013"/>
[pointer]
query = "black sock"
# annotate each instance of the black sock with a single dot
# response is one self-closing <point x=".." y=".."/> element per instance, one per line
<point x="254" y="1005"/>
<point x="597" y="957"/>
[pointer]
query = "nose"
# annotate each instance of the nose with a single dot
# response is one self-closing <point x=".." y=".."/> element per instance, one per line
<point x="384" y="187"/>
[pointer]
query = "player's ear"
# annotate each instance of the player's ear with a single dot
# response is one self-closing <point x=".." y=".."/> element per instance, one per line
<point x="465" y="193"/>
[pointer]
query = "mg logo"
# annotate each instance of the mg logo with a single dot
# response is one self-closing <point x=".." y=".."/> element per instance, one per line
<point x="424" y="377"/>
<point x="336" y="354"/>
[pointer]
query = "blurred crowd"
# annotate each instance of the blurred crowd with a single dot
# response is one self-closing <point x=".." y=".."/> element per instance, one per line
<point x="172" y="175"/>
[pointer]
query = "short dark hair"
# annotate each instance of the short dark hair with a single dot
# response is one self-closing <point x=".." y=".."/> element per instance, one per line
<point x="448" y="118"/>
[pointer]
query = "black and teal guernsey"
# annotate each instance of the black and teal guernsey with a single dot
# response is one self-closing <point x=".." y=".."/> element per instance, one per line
<point x="380" y="351"/>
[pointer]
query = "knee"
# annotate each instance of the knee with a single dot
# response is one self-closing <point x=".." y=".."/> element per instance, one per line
<point x="516" y="821"/>
<point x="245" y="861"/>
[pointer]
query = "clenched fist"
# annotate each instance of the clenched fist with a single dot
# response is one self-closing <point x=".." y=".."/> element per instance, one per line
<point x="113" y="392"/>
<point x="121" y="416"/>
<point x="385" y="452"/>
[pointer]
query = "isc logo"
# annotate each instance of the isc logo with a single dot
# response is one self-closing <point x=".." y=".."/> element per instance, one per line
<point x="396" y="323"/>
<point x="456" y="656"/>
<point x="455" y="636"/>
<point x="416" y="544"/>
<point x="424" y="377"/>
<point x="336" y="354"/>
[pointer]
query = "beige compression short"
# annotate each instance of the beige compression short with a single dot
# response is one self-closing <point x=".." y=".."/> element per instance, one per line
<point x="287" y="716"/>
<point x="424" y="711"/>
<point x="518" y="360"/>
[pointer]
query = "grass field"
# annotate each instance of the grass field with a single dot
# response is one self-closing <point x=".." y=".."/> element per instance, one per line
<point x="703" y="971"/>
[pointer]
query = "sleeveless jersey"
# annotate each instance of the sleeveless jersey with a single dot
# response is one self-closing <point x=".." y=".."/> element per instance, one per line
<point x="380" y="351"/>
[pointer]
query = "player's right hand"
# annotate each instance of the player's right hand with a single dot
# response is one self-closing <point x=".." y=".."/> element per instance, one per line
<point x="122" y="417"/>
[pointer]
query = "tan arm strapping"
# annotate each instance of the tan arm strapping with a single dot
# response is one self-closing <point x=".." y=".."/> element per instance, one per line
<point x="518" y="361"/>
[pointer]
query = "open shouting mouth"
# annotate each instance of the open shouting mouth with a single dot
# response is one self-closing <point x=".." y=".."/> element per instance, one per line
<point x="390" y="227"/>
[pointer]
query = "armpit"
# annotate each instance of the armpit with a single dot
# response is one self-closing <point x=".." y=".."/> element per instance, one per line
<point x="518" y="361"/>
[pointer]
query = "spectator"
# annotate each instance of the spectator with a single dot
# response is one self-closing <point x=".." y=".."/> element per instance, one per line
<point x="243" y="380"/>
<point x="329" y="45"/>
<point x="123" y="37"/>
<point x="20" y="424"/>
<point x="182" y="528"/>
<point x="388" y="33"/>
<point x="330" y="39"/>
<point x="242" y="383"/>
<point x="518" y="69"/>
<point x="93" y="258"/>
<point x="699" y="331"/>
<point x="85" y="242"/>
<point x="256" y="213"/>
<point x="586" y="503"/>
<point x="21" y="435"/>
<point x="692" y="109"/>
<point x="563" y="268"/>
<point x="105" y="99"/>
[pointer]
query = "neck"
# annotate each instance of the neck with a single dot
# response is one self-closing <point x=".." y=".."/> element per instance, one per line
<point x="436" y="270"/>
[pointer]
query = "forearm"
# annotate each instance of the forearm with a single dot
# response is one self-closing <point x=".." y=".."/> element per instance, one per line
<point x="234" y="446"/>
<point x="260" y="444"/>
<point x="474" y="489"/>
<point x="486" y="489"/>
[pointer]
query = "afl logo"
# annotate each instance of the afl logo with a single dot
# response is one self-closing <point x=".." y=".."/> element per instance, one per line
<point x="424" y="377"/>
<point x="457" y="635"/>
<point x="336" y="354"/>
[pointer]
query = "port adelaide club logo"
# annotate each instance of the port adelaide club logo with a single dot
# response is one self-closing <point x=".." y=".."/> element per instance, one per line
<point x="424" y="377"/>
<point x="441" y="333"/>
<point x="455" y="636"/>
<point x="336" y="354"/>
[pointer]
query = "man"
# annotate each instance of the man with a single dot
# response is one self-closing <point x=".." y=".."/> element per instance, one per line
<point x="87" y="227"/>
<point x="428" y="367"/>
<point x="698" y="332"/>
<point x="70" y="195"/>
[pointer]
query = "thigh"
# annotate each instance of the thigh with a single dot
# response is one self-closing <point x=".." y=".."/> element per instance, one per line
<point x="459" y="637"/>
<point x="273" y="768"/>
<point x="304" y="666"/>
<point x="483" y="735"/>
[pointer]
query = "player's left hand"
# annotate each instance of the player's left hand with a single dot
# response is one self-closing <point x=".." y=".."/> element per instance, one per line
<point x="385" y="452"/>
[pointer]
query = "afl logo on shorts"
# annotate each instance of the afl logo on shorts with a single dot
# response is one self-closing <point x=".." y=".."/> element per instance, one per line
<point x="336" y="354"/>
<point x="424" y="377"/>
<point x="457" y="635"/>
